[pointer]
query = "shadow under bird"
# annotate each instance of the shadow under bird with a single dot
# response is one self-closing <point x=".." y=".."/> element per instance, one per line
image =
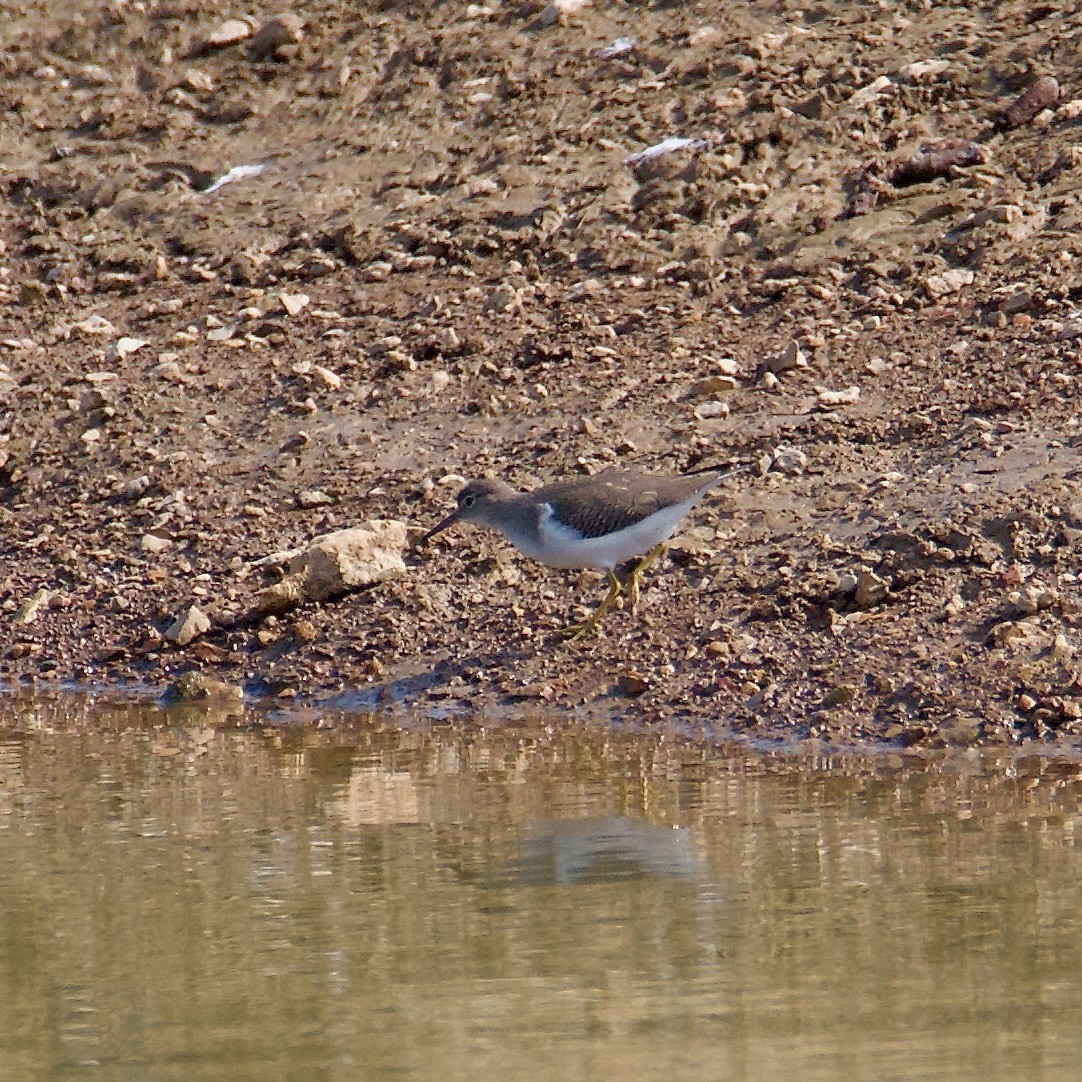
<point x="602" y="521"/>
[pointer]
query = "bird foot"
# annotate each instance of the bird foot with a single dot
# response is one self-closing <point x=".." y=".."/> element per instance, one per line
<point x="629" y="586"/>
<point x="576" y="631"/>
<point x="573" y="632"/>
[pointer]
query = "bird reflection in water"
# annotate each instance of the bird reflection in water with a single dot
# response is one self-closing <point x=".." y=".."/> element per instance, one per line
<point x="575" y="851"/>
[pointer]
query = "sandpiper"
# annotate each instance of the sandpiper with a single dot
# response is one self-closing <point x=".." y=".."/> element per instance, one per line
<point x="602" y="521"/>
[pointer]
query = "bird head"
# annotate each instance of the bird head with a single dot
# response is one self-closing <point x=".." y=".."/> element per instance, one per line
<point x="477" y="502"/>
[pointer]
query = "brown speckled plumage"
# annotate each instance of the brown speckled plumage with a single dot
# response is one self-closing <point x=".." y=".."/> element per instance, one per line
<point x="616" y="498"/>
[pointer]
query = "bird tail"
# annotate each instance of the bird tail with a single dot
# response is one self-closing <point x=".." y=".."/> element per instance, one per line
<point x="723" y="469"/>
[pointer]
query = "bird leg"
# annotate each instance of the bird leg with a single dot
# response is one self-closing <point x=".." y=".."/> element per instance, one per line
<point x="630" y="586"/>
<point x="576" y="631"/>
<point x="631" y="583"/>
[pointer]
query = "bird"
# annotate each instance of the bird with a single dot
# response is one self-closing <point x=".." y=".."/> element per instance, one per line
<point x="601" y="521"/>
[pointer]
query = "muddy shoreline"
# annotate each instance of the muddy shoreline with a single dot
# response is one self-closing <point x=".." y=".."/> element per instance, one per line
<point x="860" y="276"/>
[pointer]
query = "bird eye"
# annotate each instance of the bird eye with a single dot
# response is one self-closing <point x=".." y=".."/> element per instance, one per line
<point x="469" y="501"/>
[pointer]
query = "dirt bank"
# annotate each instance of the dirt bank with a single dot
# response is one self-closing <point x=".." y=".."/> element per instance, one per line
<point x="861" y="276"/>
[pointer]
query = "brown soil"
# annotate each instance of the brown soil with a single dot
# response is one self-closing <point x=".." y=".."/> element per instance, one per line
<point x="491" y="287"/>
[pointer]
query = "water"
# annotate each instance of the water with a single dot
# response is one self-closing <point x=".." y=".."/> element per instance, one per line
<point x="394" y="900"/>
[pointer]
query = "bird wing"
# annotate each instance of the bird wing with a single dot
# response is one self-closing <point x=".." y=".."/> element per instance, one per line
<point x="619" y="498"/>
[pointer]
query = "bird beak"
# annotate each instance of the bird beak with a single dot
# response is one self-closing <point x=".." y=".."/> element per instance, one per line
<point x="450" y="520"/>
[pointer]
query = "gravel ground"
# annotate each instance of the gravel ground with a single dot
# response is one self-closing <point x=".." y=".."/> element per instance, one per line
<point x="452" y="258"/>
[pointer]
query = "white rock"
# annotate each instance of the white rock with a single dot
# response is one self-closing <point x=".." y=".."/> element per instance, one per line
<point x="666" y="146"/>
<point x="328" y="378"/>
<point x="340" y="561"/>
<point x="923" y="67"/>
<point x="238" y="172"/>
<point x="711" y="408"/>
<point x="869" y="93"/>
<point x="154" y="544"/>
<point x="446" y="338"/>
<point x="96" y="75"/>
<point x="789" y="459"/>
<point x="187" y="626"/>
<point x="845" y="397"/>
<point x="378" y="271"/>
<point x="169" y="370"/>
<point x="294" y="303"/>
<point x="228" y="33"/>
<point x="95" y="324"/>
<point x="561" y="9"/>
<point x="125" y="346"/>
<point x="950" y="281"/>
<point x="1063" y="650"/>
<point x="618" y="47"/>
<point x="313" y="497"/>
<point x="198" y="80"/>
<point x="790" y="357"/>
<point x="383" y="345"/>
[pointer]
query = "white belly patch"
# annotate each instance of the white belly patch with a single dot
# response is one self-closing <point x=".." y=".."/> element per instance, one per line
<point x="561" y="546"/>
